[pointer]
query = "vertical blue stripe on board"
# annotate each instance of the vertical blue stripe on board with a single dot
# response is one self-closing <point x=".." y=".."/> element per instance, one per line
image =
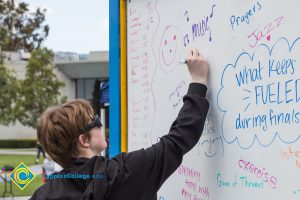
<point x="114" y="79"/>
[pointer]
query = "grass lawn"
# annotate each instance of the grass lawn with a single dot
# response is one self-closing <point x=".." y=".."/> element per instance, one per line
<point x="19" y="149"/>
<point x="27" y="191"/>
<point x="15" y="160"/>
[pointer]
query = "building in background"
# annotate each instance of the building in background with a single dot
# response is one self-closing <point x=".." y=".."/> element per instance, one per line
<point x="83" y="75"/>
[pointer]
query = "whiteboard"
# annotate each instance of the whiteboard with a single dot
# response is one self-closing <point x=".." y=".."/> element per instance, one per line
<point x="250" y="146"/>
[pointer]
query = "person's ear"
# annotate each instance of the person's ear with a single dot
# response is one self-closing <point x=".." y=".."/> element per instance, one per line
<point x="83" y="141"/>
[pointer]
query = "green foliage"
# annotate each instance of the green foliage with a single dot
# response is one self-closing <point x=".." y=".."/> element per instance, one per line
<point x="39" y="89"/>
<point x="9" y="87"/>
<point x="22" y="143"/>
<point x="3" y="37"/>
<point x="20" y="28"/>
<point x="25" y="100"/>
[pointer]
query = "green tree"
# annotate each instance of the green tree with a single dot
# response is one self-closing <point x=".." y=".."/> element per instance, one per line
<point x="3" y="38"/>
<point x="20" y="28"/>
<point x="25" y="100"/>
<point x="39" y="89"/>
<point x="9" y="87"/>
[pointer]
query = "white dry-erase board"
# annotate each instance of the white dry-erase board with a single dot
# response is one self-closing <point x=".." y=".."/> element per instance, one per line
<point x="250" y="147"/>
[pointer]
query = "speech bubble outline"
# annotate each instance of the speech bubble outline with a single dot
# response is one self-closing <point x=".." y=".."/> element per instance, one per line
<point x="255" y="137"/>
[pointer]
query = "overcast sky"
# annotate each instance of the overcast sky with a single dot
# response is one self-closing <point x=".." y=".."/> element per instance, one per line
<point x="76" y="25"/>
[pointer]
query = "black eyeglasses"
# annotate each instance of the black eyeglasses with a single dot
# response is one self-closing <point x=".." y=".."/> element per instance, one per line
<point x="95" y="123"/>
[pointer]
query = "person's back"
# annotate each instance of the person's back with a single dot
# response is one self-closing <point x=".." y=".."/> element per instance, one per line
<point x="73" y="138"/>
<point x="74" y="183"/>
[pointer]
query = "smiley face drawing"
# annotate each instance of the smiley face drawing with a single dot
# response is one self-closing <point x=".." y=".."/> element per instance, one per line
<point x="211" y="146"/>
<point x="170" y="48"/>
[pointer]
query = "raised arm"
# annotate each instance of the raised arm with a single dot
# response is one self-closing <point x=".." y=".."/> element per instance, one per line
<point x="144" y="171"/>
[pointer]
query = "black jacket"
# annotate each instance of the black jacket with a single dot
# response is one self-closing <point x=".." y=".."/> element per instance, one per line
<point x="139" y="174"/>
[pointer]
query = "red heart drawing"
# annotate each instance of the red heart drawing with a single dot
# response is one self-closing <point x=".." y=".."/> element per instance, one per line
<point x="268" y="37"/>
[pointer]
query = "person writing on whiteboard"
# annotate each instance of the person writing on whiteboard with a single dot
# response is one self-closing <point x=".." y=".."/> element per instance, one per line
<point x="72" y="136"/>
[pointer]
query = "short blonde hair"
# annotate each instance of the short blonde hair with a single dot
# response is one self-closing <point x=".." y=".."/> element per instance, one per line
<point x="59" y="127"/>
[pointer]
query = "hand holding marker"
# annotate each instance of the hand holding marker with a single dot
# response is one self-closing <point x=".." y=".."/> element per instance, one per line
<point x="197" y="65"/>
